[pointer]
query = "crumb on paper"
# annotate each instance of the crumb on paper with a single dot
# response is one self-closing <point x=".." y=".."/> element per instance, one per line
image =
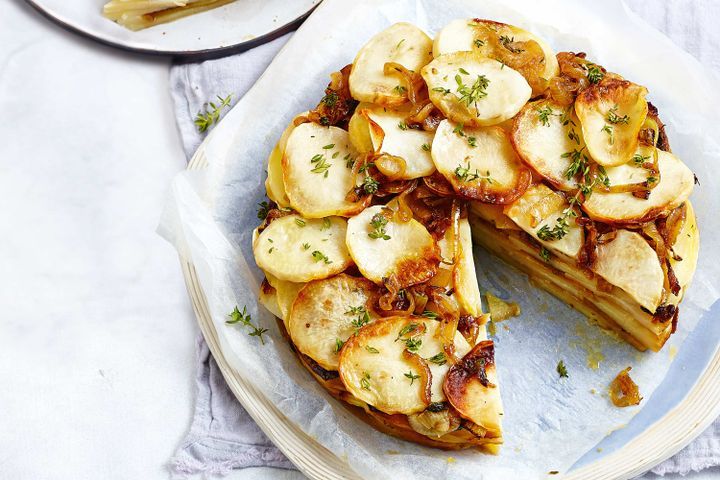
<point x="450" y="459"/>
<point x="672" y="352"/>
<point x="392" y="452"/>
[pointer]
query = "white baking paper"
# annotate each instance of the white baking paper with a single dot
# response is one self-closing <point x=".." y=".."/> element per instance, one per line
<point x="549" y="422"/>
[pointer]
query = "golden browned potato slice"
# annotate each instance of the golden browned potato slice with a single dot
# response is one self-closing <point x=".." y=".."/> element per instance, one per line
<point x="295" y="249"/>
<point x="316" y="173"/>
<point x="539" y="209"/>
<point x="471" y="387"/>
<point x="382" y="246"/>
<point x="401" y="43"/>
<point x="474" y="90"/>
<point x="326" y="313"/>
<point x="397" y="364"/>
<point x="611" y="114"/>
<point x="377" y="129"/>
<point x="497" y="40"/>
<point x="629" y="263"/>
<point x="274" y="182"/>
<point x="285" y="293"/>
<point x="479" y="163"/>
<point x="675" y="185"/>
<point x="545" y="136"/>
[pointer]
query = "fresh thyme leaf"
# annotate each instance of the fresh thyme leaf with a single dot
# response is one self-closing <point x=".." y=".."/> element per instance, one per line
<point x="614" y="118"/>
<point x="578" y="165"/>
<point x="330" y="99"/>
<point x="638" y="159"/>
<point x="203" y="120"/>
<point x="319" y="256"/>
<point x="561" y="369"/>
<point x="402" y="125"/>
<point x="651" y="179"/>
<point x="335" y="155"/>
<point x="438" y="359"/>
<point x="602" y="176"/>
<point x="478" y="43"/>
<point x="379" y="222"/>
<point x="305" y="246"/>
<point x="370" y="185"/>
<point x="560" y="229"/>
<point x="328" y="147"/>
<point x="411" y="376"/>
<point x="326" y="224"/>
<point x="399" y="43"/>
<point x="544" y="115"/>
<point x="459" y="130"/>
<point x="399" y="89"/>
<point x="463" y="71"/>
<point x="572" y="135"/>
<point x="594" y="73"/>
<point x="464" y="174"/>
<point x="429" y="314"/>
<point x="271" y="249"/>
<point x="545" y="254"/>
<point x="321" y="163"/>
<point x="371" y="349"/>
<point x="609" y="130"/>
<point x="363" y="317"/>
<point x="366" y="166"/>
<point x="258" y="332"/>
<point x="426" y="147"/>
<point x="472" y="141"/>
<point x="300" y="222"/>
<point x="411" y="327"/>
<point x="507" y="42"/>
<point x="365" y="381"/>
<point x="263" y="211"/>
<point x="442" y="90"/>
<point x="470" y="95"/>
<point x="413" y="344"/>
<point x="338" y="345"/>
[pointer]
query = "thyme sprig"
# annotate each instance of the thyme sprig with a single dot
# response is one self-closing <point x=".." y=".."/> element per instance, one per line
<point x="464" y="174"/>
<point x="211" y="115"/>
<point x="244" y="318"/>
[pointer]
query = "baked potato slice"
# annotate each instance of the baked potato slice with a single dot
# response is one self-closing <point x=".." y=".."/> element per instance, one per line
<point x="295" y="249"/>
<point x="471" y="387"/>
<point x="629" y="263"/>
<point x="326" y="313"/>
<point x="274" y="185"/>
<point x="397" y="364"/>
<point x="503" y="42"/>
<point x="544" y="135"/>
<point x="382" y="246"/>
<point x="541" y="208"/>
<point x="612" y="113"/>
<point x="674" y="187"/>
<point x="285" y="294"/>
<point x="316" y="173"/>
<point x="479" y="163"/>
<point x="474" y="90"/>
<point x="381" y="130"/>
<point x="268" y="298"/>
<point x="400" y="43"/>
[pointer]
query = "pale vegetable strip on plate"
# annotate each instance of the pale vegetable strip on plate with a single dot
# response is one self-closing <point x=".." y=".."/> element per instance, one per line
<point x="140" y="14"/>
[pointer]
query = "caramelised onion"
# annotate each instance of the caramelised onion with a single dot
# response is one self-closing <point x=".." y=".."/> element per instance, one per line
<point x="657" y="242"/>
<point x="671" y="226"/>
<point x="391" y="166"/>
<point x="423" y="370"/>
<point x="337" y="106"/>
<point x="412" y="81"/>
<point x="623" y="391"/>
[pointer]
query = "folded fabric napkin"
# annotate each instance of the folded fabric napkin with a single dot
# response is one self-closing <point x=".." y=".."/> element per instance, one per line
<point x="222" y="436"/>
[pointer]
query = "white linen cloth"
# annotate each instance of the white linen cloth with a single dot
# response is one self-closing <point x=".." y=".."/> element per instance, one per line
<point x="223" y="436"/>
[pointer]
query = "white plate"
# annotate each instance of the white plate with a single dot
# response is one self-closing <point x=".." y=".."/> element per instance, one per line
<point x="237" y="26"/>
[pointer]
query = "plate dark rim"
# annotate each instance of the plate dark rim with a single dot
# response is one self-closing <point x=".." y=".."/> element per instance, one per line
<point x="191" y="55"/>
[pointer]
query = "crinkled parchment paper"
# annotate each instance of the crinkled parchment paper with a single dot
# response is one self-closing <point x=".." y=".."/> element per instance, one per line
<point x="549" y="423"/>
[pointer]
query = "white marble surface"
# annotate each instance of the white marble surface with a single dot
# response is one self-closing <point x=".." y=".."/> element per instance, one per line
<point x="96" y="332"/>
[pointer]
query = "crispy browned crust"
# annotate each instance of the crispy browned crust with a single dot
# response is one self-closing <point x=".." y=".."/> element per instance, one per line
<point x="394" y="425"/>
